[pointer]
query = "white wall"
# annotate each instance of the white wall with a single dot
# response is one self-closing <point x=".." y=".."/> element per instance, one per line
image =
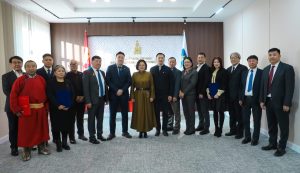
<point x="262" y="25"/>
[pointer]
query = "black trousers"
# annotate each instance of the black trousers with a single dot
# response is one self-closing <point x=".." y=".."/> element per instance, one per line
<point x="115" y="103"/>
<point x="78" y="115"/>
<point x="13" y="129"/>
<point x="188" y="105"/>
<point x="203" y="113"/>
<point x="251" y="104"/>
<point x="161" y="104"/>
<point x="276" y="116"/>
<point x="235" y="117"/>
<point x="96" y="112"/>
<point x="55" y="134"/>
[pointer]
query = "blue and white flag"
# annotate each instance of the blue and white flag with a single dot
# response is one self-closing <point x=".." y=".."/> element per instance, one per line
<point x="184" y="52"/>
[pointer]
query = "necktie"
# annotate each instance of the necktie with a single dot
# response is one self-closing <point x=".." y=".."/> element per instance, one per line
<point x="119" y="70"/>
<point x="270" y="78"/>
<point x="100" y="84"/>
<point x="233" y="68"/>
<point x="250" y="81"/>
<point x="48" y="72"/>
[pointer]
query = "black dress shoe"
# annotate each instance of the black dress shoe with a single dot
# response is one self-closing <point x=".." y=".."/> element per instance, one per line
<point x="94" y="141"/>
<point x="175" y="132"/>
<point x="145" y="135"/>
<point x="165" y="133"/>
<point x="101" y="138"/>
<point x="238" y="136"/>
<point x="66" y="147"/>
<point x="14" y="152"/>
<point x="204" y="132"/>
<point x="199" y="128"/>
<point x="73" y="141"/>
<point x="127" y="135"/>
<point x="246" y="140"/>
<point x="170" y="129"/>
<point x="269" y="147"/>
<point x="279" y="152"/>
<point x="141" y="135"/>
<point x="189" y="132"/>
<point x="230" y="133"/>
<point x="157" y="133"/>
<point x="82" y="137"/>
<point x="110" y="137"/>
<point x="254" y="142"/>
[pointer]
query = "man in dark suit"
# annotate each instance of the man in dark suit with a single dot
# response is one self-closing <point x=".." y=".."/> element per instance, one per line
<point x="119" y="80"/>
<point x="276" y="94"/>
<point x="234" y="87"/>
<point x="249" y="99"/>
<point x="75" y="77"/>
<point x="164" y="91"/>
<point x="201" y="98"/>
<point x="175" y="103"/>
<point x="95" y="95"/>
<point x="47" y="73"/>
<point x="8" y="79"/>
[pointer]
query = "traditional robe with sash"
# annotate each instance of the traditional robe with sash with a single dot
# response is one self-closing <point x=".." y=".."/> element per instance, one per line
<point x="33" y="128"/>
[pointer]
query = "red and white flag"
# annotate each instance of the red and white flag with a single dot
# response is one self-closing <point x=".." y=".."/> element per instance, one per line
<point x="86" y="54"/>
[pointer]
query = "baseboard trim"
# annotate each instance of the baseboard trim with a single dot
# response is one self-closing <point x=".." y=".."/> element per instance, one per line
<point x="3" y="139"/>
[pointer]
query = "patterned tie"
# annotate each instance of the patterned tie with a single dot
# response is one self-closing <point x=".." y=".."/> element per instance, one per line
<point x="100" y="84"/>
<point x="250" y="81"/>
<point x="270" y="78"/>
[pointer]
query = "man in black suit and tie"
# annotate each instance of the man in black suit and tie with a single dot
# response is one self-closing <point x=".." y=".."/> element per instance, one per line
<point x="249" y="99"/>
<point x="164" y="91"/>
<point x="8" y="79"/>
<point x="201" y="99"/>
<point x="119" y="80"/>
<point x="47" y="73"/>
<point x="234" y="87"/>
<point x="175" y="103"/>
<point x="276" y="94"/>
<point x="95" y="95"/>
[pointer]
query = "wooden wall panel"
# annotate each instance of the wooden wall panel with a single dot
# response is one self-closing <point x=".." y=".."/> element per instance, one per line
<point x="201" y="36"/>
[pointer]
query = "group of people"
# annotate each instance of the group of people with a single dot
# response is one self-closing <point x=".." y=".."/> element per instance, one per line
<point x="50" y="90"/>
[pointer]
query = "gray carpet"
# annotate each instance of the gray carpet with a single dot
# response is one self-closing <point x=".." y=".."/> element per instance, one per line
<point x="176" y="154"/>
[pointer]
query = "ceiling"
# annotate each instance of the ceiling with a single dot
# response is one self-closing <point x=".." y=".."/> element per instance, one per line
<point x="69" y="11"/>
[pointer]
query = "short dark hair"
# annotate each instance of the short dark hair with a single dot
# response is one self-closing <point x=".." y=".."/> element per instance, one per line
<point x="15" y="57"/>
<point x="252" y="57"/>
<point x="95" y="57"/>
<point x="172" y="58"/>
<point x="120" y="53"/>
<point x="29" y="61"/>
<point x="212" y="63"/>
<point x="187" y="58"/>
<point x="202" y="53"/>
<point x="274" y="50"/>
<point x="160" y="54"/>
<point x="47" y="54"/>
<point x="138" y="63"/>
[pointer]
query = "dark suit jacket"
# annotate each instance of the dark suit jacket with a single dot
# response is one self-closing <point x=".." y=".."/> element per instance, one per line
<point x="256" y="85"/>
<point x="234" y="81"/>
<point x="163" y="81"/>
<point x="116" y="82"/>
<point x="283" y="85"/>
<point x="91" y="87"/>
<point x="221" y="79"/>
<point x="203" y="79"/>
<point x="42" y="72"/>
<point x="189" y="82"/>
<point x="8" y="80"/>
<point x="177" y="80"/>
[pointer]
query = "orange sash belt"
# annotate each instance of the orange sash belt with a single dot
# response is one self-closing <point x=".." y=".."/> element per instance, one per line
<point x="36" y="105"/>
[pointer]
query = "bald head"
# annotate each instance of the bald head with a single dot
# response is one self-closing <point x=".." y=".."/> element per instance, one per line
<point x="73" y="65"/>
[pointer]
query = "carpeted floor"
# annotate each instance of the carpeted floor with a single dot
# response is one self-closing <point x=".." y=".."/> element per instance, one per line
<point x="176" y="154"/>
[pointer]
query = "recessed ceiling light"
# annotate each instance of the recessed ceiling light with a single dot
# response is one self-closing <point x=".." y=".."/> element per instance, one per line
<point x="106" y="0"/>
<point x="93" y="0"/>
<point x="173" y="0"/>
<point x="159" y="0"/>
